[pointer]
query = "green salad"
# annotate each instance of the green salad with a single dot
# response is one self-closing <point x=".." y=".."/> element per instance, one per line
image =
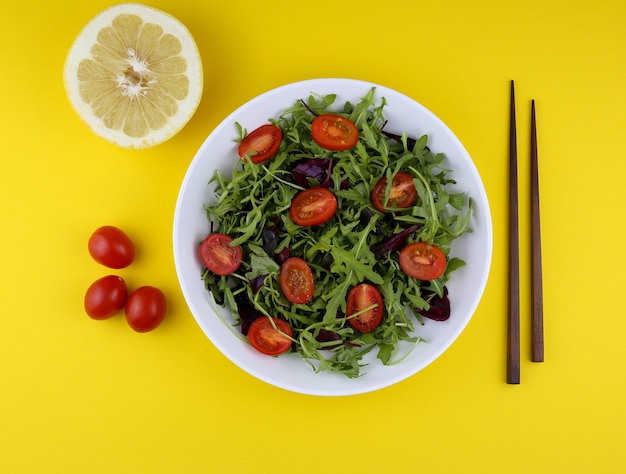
<point x="332" y="236"/>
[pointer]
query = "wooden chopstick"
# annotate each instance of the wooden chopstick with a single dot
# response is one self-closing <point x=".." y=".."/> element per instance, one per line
<point x="537" y="279"/>
<point x="513" y="331"/>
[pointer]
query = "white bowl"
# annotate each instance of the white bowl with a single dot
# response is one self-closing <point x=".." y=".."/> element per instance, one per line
<point x="290" y="372"/>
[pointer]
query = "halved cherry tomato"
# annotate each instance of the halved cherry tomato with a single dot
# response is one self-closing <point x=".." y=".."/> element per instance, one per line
<point x="401" y="196"/>
<point x="296" y="280"/>
<point x="423" y="261"/>
<point x="313" y="206"/>
<point x="263" y="142"/>
<point x="218" y="255"/>
<point x="111" y="247"/>
<point x="360" y="297"/>
<point x="105" y="297"/>
<point x="334" y="132"/>
<point x="264" y="338"/>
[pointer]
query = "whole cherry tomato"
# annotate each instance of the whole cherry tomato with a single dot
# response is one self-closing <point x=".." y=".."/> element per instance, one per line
<point x="111" y="247"/>
<point x="105" y="297"/>
<point x="145" y="308"/>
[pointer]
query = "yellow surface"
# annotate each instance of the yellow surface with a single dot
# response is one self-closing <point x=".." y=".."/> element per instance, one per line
<point x="80" y="396"/>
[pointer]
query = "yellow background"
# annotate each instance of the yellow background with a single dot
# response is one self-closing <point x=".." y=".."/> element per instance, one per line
<point x="80" y="396"/>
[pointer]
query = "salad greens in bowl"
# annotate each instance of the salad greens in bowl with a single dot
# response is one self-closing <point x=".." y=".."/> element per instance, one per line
<point x="332" y="237"/>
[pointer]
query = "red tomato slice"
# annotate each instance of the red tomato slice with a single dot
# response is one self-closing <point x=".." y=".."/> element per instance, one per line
<point x="296" y="280"/>
<point x="360" y="297"/>
<point x="264" y="142"/>
<point x="423" y="261"/>
<point x="401" y="196"/>
<point x="218" y="255"/>
<point x="264" y="338"/>
<point x="334" y="132"/>
<point x="312" y="207"/>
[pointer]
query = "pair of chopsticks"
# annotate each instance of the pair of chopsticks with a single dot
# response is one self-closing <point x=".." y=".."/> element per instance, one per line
<point x="513" y="333"/>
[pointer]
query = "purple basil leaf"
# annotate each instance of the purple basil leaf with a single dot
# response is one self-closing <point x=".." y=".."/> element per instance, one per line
<point x="394" y="242"/>
<point x="247" y="312"/>
<point x="327" y="261"/>
<point x="325" y="335"/>
<point x="318" y="169"/>
<point x="257" y="283"/>
<point x="283" y="255"/>
<point x="365" y="217"/>
<point x="439" y="307"/>
<point x="271" y="239"/>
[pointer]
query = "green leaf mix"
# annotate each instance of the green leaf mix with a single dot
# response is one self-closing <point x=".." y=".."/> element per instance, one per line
<point x="339" y="252"/>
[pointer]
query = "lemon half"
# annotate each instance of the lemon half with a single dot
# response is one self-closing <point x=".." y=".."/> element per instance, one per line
<point x="134" y="75"/>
